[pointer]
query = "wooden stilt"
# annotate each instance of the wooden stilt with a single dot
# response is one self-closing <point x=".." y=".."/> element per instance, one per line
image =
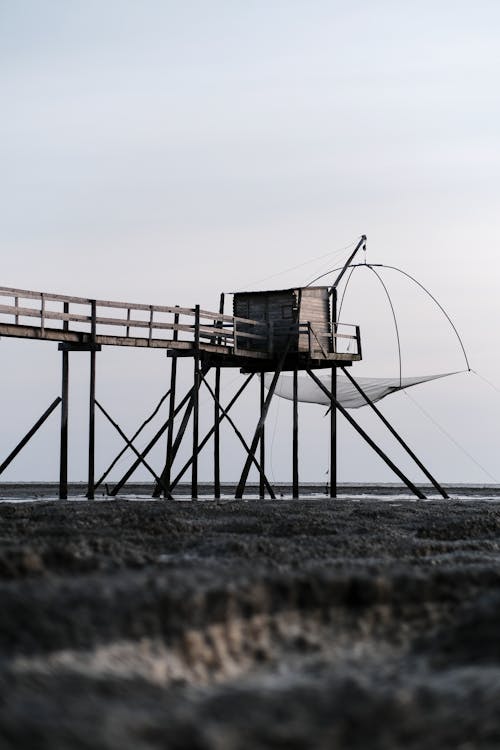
<point x="244" y="444"/>
<point x="217" y="419"/>
<point x="63" y="451"/>
<point x="184" y="422"/>
<point x="196" y="404"/>
<point x="260" y="425"/>
<point x="149" y="447"/>
<point x="222" y="414"/>
<point x="91" y="464"/>
<point x="333" y="435"/>
<point x="295" y="438"/>
<point x="170" y="431"/>
<point x="333" y="400"/>
<point x="262" y="461"/>
<point x="368" y="439"/>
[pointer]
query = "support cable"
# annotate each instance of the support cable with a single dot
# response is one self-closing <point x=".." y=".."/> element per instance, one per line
<point x="450" y="437"/>
<point x="485" y="380"/>
<point x="329" y="254"/>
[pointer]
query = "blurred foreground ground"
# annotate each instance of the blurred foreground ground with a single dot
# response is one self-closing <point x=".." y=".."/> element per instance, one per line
<point x="250" y="624"/>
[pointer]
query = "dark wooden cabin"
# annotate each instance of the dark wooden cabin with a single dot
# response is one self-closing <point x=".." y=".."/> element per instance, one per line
<point x="302" y="313"/>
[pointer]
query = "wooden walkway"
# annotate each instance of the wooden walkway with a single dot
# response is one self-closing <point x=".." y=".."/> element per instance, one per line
<point x="78" y="321"/>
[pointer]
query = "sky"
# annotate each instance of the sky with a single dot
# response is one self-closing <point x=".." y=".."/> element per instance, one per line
<point x="163" y="152"/>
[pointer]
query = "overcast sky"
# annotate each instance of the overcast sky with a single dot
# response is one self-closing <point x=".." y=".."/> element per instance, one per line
<point x="164" y="152"/>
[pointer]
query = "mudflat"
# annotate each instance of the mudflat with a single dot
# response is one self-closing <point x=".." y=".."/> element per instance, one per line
<point x="250" y="624"/>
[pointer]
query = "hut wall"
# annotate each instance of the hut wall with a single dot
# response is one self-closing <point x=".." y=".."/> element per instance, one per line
<point x="315" y="309"/>
<point x="277" y="308"/>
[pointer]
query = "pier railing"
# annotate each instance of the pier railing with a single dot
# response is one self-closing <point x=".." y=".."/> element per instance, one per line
<point x="59" y="317"/>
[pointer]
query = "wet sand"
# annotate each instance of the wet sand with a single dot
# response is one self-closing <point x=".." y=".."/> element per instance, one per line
<point x="250" y="624"/>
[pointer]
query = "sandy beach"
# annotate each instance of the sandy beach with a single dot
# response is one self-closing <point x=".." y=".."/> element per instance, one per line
<point x="250" y="624"/>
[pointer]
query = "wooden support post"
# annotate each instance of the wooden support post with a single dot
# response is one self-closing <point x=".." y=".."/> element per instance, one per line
<point x="189" y="397"/>
<point x="333" y="435"/>
<point x="171" y="410"/>
<point x="63" y="450"/>
<point x="217" y="422"/>
<point x="333" y="402"/>
<point x="262" y="458"/>
<point x="368" y="439"/>
<point x="258" y="431"/>
<point x="295" y="437"/>
<point x="240" y="437"/>
<point x="116" y="489"/>
<point x="217" y="418"/>
<point x="196" y="403"/>
<point x="223" y="414"/>
<point x="91" y="465"/>
<point x="29" y="434"/>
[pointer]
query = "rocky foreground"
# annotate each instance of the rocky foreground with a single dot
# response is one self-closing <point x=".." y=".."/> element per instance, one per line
<point x="237" y="625"/>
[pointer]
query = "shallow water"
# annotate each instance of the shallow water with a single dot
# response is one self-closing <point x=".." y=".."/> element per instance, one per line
<point x="15" y="492"/>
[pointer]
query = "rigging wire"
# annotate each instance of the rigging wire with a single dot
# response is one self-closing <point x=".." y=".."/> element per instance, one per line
<point x="329" y="254"/>
<point x="450" y="437"/>
<point x="326" y="273"/>
<point x="481" y="377"/>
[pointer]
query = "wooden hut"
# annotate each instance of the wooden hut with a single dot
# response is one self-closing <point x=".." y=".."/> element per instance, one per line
<point x="304" y="314"/>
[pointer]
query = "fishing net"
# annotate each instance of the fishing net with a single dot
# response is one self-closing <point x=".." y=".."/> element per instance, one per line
<point x="347" y="395"/>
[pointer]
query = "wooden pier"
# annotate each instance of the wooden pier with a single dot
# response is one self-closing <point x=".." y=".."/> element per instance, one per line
<point x="274" y="331"/>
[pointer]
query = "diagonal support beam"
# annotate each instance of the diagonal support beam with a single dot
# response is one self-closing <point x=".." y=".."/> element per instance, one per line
<point x="30" y="434"/>
<point x="116" y="489"/>
<point x="398" y="437"/>
<point x="245" y="445"/>
<point x="260" y="425"/>
<point x="212" y="430"/>
<point x="193" y="394"/>
<point x="367" y="438"/>
<point x="134" y="436"/>
<point x="130" y="444"/>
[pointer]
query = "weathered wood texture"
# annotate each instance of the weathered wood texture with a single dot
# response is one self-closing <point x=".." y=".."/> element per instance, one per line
<point x="304" y="314"/>
<point x="259" y="329"/>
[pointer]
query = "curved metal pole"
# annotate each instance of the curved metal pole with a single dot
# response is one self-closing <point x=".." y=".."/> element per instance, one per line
<point x="394" y="268"/>
<point x="395" y="322"/>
